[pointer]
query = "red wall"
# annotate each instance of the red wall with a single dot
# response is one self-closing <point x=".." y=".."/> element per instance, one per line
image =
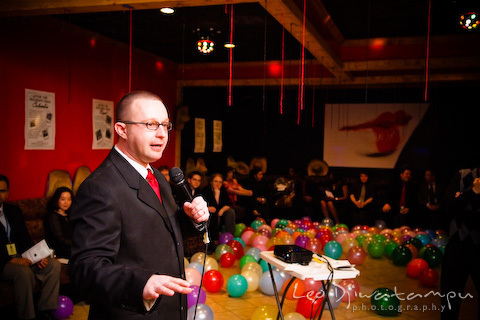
<point x="77" y="66"/>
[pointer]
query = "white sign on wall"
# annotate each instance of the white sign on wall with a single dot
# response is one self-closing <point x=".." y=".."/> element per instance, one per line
<point x="39" y="120"/>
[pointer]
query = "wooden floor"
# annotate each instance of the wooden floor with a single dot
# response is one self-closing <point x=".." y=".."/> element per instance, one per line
<point x="374" y="273"/>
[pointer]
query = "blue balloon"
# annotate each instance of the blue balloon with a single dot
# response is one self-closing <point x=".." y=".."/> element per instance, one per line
<point x="266" y="284"/>
<point x="424" y="238"/>
<point x="264" y="265"/>
<point x="195" y="265"/>
<point x="241" y="241"/>
<point x="333" y="249"/>
<point x="255" y="252"/>
<point x="203" y="312"/>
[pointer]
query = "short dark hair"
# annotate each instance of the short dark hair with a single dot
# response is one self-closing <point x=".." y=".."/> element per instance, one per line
<point x="4" y="178"/>
<point x="163" y="167"/>
<point x="195" y="172"/>
<point x="52" y="204"/>
<point x="126" y="102"/>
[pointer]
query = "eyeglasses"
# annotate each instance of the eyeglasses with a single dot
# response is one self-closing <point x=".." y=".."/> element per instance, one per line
<point x="152" y="125"/>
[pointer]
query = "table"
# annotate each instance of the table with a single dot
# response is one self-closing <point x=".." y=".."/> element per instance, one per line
<point x="342" y="269"/>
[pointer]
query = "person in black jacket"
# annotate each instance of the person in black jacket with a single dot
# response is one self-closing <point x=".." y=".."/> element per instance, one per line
<point x="14" y="240"/>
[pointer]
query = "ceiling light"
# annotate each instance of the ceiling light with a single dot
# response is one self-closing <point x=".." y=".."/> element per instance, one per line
<point x="167" y="10"/>
<point x="205" y="45"/>
<point x="469" y="21"/>
<point x="229" y="45"/>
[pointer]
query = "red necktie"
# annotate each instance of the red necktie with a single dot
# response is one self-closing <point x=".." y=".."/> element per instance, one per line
<point x="153" y="183"/>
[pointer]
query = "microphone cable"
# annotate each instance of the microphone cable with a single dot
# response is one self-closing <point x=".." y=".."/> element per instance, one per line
<point x="206" y="240"/>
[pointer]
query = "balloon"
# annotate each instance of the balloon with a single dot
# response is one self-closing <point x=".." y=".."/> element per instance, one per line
<point x="266" y="284"/>
<point x="301" y="240"/>
<point x="390" y="245"/>
<point x="239" y="227"/>
<point x="241" y="241"/>
<point x="252" y="278"/>
<point x="227" y="260"/>
<point x="328" y="222"/>
<point x="253" y="266"/>
<point x="256" y="224"/>
<point x="385" y="302"/>
<point x="193" y="276"/>
<point x="213" y="281"/>
<point x="424" y="238"/>
<point x="237" y="248"/>
<point x="260" y="241"/>
<point x="65" y="308"/>
<point x="264" y="265"/>
<point x="246" y="235"/>
<point x="311" y="284"/>
<point x="416" y="242"/>
<point x="296" y="289"/>
<point x="333" y="249"/>
<point x="415" y="267"/>
<point x="429" y="277"/>
<point x="274" y="223"/>
<point x="401" y="255"/>
<point x="221" y="249"/>
<point x="195" y="265"/>
<point x="380" y="224"/>
<point x="293" y="316"/>
<point x="433" y="256"/>
<point x="237" y="285"/>
<point x="203" y="312"/>
<point x="413" y="249"/>
<point x="335" y="294"/>
<point x="210" y="264"/>
<point x="198" y="257"/>
<point x="310" y="304"/>
<point x="225" y="237"/>
<point x="246" y="258"/>
<point x="313" y="245"/>
<point x="376" y="249"/>
<point x="282" y="223"/>
<point x="356" y="255"/>
<point x="348" y="243"/>
<point x="351" y="289"/>
<point x="341" y="237"/>
<point x="197" y="294"/>
<point x="255" y="252"/>
<point x="265" y="312"/>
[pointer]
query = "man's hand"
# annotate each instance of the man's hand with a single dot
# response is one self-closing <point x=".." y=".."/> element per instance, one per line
<point x="42" y="263"/>
<point x="165" y="285"/>
<point x="476" y="185"/>
<point x="197" y="209"/>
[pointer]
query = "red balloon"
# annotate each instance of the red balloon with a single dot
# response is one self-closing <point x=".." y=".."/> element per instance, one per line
<point x="324" y="238"/>
<point x="227" y="260"/>
<point x="212" y="281"/>
<point x="237" y="248"/>
<point x="415" y="267"/>
<point x="350" y="288"/>
<point x="429" y="277"/>
<point x="309" y="305"/>
<point x="356" y="255"/>
<point x="311" y="284"/>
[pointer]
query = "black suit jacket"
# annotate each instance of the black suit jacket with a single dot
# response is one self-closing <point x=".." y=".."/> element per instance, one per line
<point x="18" y="234"/>
<point x="122" y="234"/>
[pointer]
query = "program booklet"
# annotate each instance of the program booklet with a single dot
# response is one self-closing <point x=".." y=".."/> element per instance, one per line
<point x="37" y="252"/>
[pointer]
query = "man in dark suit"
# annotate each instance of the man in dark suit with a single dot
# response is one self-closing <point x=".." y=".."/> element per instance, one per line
<point x="127" y="251"/>
<point x="14" y="240"/>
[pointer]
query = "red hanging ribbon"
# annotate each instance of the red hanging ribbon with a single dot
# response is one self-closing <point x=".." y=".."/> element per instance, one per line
<point x="427" y="61"/>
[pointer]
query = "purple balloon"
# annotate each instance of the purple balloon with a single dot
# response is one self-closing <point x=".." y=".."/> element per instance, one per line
<point x="193" y="296"/>
<point x="301" y="240"/>
<point x="65" y="308"/>
<point x="225" y="238"/>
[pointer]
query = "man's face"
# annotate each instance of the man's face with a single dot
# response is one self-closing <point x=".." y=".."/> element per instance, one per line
<point x="138" y="142"/>
<point x="3" y="192"/>
<point x="166" y="173"/>
<point x="429" y="177"/>
<point x="363" y="177"/>
<point x="406" y="175"/>
<point x="194" y="181"/>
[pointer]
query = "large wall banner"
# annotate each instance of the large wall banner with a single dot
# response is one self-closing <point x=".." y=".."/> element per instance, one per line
<point x="39" y="120"/>
<point x="369" y="135"/>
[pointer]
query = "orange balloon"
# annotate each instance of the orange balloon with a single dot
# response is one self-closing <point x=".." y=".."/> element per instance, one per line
<point x="413" y="249"/>
<point x="296" y="289"/>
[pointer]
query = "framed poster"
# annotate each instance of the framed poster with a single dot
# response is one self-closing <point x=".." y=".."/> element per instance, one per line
<point x="369" y="135"/>
<point x="102" y="113"/>
<point x="39" y="120"/>
<point x="199" y="135"/>
<point x="217" y="136"/>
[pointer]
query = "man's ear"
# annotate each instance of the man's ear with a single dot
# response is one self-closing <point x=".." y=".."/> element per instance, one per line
<point x="121" y="130"/>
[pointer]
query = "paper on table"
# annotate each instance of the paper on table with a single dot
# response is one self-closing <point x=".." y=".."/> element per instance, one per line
<point x="37" y="252"/>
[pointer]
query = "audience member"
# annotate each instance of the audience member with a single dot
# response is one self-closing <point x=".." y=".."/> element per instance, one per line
<point x="334" y="198"/>
<point x="14" y="240"/>
<point x="362" y="196"/>
<point x="194" y="180"/>
<point x="430" y="197"/>
<point x="461" y="259"/>
<point x="58" y="230"/>
<point x="219" y="206"/>
<point x="239" y="197"/>
<point x="401" y="202"/>
<point x="165" y="171"/>
<point x="261" y="194"/>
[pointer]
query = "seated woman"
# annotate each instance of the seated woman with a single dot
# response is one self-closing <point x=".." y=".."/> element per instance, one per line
<point x="219" y="206"/>
<point x="240" y="197"/>
<point x="58" y="231"/>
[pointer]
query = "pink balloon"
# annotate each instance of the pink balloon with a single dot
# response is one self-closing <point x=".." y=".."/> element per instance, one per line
<point x="341" y="237"/>
<point x="193" y="276"/>
<point x="313" y="245"/>
<point x="311" y="284"/>
<point x="356" y="255"/>
<point x="246" y="235"/>
<point x="260" y="240"/>
<point x="274" y="223"/>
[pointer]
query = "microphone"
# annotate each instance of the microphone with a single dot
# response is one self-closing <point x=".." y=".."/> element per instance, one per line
<point x="183" y="192"/>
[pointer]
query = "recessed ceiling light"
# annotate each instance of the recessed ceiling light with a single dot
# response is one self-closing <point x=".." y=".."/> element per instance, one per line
<point x="167" y="10"/>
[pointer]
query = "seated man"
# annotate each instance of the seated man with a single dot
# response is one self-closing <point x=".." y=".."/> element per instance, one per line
<point x="14" y="240"/>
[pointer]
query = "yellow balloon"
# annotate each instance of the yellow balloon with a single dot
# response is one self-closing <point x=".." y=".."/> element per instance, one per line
<point x="266" y="312"/>
<point x="211" y="264"/>
<point x="253" y="266"/>
<point x="198" y="257"/>
<point x="252" y="278"/>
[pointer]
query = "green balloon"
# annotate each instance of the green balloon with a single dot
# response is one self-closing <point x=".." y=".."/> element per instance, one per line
<point x="239" y="227"/>
<point x="264" y="265"/>
<point x="246" y="258"/>
<point x="376" y="249"/>
<point x="390" y="245"/>
<point x="401" y="256"/>
<point x="237" y="285"/>
<point x="416" y="242"/>
<point x="385" y="302"/>
<point x="282" y="223"/>
<point x="379" y="237"/>
<point x="360" y="239"/>
<point x="433" y="256"/>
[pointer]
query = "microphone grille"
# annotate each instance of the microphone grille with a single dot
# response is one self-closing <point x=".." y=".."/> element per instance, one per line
<point x="176" y="175"/>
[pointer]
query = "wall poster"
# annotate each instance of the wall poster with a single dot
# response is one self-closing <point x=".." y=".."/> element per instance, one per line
<point x="102" y="113"/>
<point x="217" y="136"/>
<point x="199" y="135"/>
<point x="369" y="135"/>
<point x="39" y="120"/>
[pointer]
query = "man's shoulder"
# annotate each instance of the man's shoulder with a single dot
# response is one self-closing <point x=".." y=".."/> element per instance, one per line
<point x="11" y="208"/>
